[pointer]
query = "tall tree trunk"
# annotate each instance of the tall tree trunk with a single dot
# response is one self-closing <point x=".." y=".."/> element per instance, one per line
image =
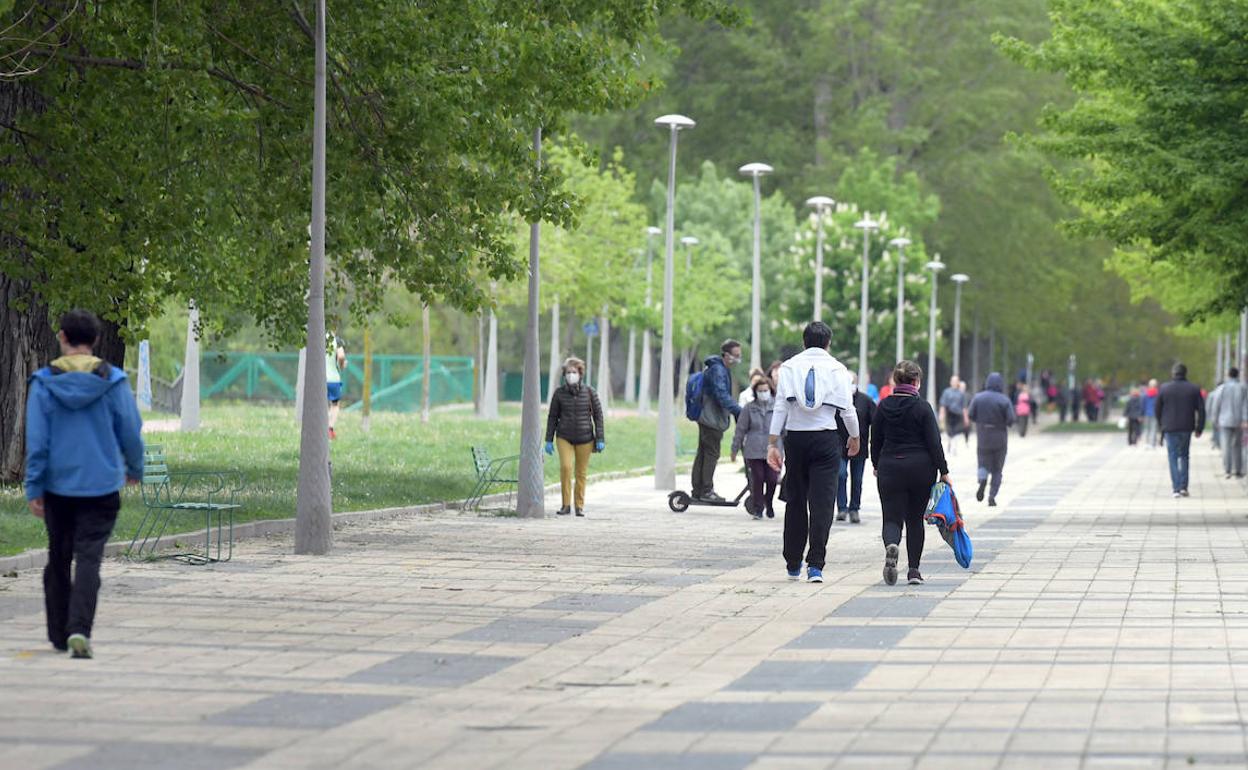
<point x="27" y="342"/>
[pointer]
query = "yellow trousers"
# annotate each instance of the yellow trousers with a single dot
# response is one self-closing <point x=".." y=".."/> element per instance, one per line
<point x="573" y="457"/>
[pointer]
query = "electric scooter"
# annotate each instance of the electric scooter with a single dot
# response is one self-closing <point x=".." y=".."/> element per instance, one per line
<point x="680" y="500"/>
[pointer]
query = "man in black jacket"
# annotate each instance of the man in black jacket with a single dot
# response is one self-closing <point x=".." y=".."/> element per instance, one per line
<point x="1180" y="413"/>
<point x="849" y="485"/>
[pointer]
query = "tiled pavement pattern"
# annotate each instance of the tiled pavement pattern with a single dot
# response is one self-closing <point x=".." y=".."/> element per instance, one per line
<point x="1103" y="625"/>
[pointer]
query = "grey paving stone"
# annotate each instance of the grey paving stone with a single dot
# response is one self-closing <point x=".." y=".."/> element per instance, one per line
<point x="701" y="716"/>
<point x="159" y="756"/>
<point x="849" y="637"/>
<point x="794" y="675"/>
<point x="887" y="606"/>
<point x="526" y="631"/>
<point x="13" y="606"/>
<point x="431" y="669"/>
<point x="671" y="579"/>
<point x="313" y="711"/>
<point x="637" y="761"/>
<point x="617" y="603"/>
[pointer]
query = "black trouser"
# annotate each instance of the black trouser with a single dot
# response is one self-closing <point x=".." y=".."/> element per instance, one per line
<point x="1022" y="425"/>
<point x="1133" y="430"/>
<point x="78" y="529"/>
<point x="709" y="441"/>
<point x="813" y="462"/>
<point x="763" y="481"/>
<point x="905" y="484"/>
<point x="991" y="464"/>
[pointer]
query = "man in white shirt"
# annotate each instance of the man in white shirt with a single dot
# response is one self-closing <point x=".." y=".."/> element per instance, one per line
<point x="812" y="389"/>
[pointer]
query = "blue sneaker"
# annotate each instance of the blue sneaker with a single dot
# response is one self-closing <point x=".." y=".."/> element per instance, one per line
<point x="795" y="574"/>
<point x="814" y="575"/>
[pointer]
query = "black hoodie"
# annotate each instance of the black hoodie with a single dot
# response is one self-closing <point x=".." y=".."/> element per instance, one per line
<point x="906" y="425"/>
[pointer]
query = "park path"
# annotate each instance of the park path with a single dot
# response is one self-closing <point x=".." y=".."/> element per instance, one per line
<point x="1102" y="625"/>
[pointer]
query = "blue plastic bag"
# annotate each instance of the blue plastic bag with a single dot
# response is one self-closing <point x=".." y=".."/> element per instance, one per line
<point x="944" y="513"/>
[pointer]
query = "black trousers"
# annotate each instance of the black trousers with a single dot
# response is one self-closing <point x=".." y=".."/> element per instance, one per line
<point x="813" y="462"/>
<point x="78" y="529"/>
<point x="905" y="484"/>
<point x="709" y="442"/>
<point x="763" y="481"/>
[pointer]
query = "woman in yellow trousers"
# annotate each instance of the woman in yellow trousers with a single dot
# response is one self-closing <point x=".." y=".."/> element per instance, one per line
<point x="574" y="427"/>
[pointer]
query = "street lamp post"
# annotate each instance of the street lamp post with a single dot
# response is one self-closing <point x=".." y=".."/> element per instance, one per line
<point x="643" y="398"/>
<point x="935" y="266"/>
<point x="665" y="439"/>
<point x="867" y="225"/>
<point x="900" y="244"/>
<point x="821" y="204"/>
<point x="689" y="241"/>
<point x="756" y="170"/>
<point x="958" y="279"/>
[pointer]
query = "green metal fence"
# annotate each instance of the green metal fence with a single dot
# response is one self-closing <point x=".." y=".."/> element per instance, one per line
<point x="396" y="379"/>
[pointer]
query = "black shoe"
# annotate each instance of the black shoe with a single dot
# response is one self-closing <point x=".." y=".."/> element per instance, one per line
<point x="564" y="511"/>
<point x="914" y="578"/>
<point x="711" y="497"/>
<point x="979" y="493"/>
<point x="771" y="513"/>
<point x="840" y="515"/>
<point x="891" y="552"/>
<point x="853" y="518"/>
<point x="992" y="502"/>
<point x="1184" y="492"/>
<point x="580" y="512"/>
<point x="60" y="646"/>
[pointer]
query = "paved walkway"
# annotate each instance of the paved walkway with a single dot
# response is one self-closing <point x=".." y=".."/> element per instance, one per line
<point x="1103" y="625"/>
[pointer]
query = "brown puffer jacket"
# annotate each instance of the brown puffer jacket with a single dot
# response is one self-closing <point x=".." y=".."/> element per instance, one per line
<point x="575" y="415"/>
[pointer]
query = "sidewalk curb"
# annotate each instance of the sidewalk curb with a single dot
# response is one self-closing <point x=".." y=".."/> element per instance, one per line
<point x="36" y="558"/>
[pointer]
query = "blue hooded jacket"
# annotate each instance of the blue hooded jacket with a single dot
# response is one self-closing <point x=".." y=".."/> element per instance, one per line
<point x="82" y="430"/>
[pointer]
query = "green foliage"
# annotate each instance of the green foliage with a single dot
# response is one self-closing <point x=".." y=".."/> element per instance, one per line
<point x="1152" y="152"/>
<point x="166" y="153"/>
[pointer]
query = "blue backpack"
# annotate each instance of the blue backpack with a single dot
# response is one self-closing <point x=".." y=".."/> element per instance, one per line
<point x="693" y="397"/>
<point x="944" y="513"/>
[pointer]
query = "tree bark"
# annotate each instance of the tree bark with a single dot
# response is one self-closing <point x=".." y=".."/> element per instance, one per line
<point x="26" y="343"/>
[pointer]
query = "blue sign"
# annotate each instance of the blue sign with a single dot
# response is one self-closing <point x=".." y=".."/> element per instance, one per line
<point x="591" y="328"/>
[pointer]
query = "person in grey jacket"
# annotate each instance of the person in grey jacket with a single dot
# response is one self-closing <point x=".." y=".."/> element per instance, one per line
<point x="750" y="440"/>
<point x="1228" y="411"/>
<point x="993" y="414"/>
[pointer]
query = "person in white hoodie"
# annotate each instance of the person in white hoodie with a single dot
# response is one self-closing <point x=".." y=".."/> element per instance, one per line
<point x="812" y="390"/>
<point x="1228" y="411"/>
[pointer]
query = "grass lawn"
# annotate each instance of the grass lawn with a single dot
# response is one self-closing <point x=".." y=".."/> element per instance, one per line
<point x="400" y="462"/>
<point x="1083" y="427"/>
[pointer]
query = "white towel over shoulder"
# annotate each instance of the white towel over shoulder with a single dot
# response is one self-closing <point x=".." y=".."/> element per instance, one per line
<point x="830" y="380"/>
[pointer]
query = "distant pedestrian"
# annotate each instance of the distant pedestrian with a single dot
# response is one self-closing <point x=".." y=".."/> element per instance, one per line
<point x="1091" y="401"/>
<point x="335" y="362"/>
<point x="1073" y="396"/>
<point x="750" y="441"/>
<point x="1228" y="412"/>
<point x="1022" y="408"/>
<point x="574" y="428"/>
<point x="993" y="414"/>
<point x="1148" y="401"/>
<point x="849" y="483"/>
<point x="1211" y="404"/>
<point x="1180" y="415"/>
<point x="83" y="443"/>
<point x="908" y="457"/>
<point x="812" y="391"/>
<point x="1133" y="413"/>
<point x="953" y="411"/>
<point x="747" y="395"/>
<point x="718" y="411"/>
<point x="887" y="389"/>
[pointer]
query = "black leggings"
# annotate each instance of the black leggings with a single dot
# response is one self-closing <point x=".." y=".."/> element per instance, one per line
<point x="905" y="484"/>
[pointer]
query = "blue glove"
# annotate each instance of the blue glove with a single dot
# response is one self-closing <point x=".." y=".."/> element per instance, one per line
<point x="550" y="447"/>
<point x="601" y="445"/>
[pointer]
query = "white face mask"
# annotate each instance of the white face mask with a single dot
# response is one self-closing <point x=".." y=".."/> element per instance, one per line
<point x="572" y="377"/>
<point x="764" y="395"/>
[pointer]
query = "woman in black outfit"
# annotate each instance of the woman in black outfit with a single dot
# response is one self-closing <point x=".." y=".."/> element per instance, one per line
<point x="907" y="455"/>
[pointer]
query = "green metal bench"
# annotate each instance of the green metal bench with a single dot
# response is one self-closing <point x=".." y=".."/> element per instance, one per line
<point x="492" y="472"/>
<point x="168" y="494"/>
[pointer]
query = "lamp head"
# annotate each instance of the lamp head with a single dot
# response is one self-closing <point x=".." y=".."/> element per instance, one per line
<point x="674" y="122"/>
<point x="899" y="243"/>
<point x="935" y="265"/>
<point x="652" y="230"/>
<point x="959" y="278"/>
<point x="867" y="224"/>
<point x="820" y="202"/>
<point x="690" y="240"/>
<point x="756" y="169"/>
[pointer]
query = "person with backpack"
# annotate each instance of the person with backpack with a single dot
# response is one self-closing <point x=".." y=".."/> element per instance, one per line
<point x="813" y="390"/>
<point x="1228" y="411"/>
<point x="750" y="439"/>
<point x="574" y="426"/>
<point x="709" y="403"/>
<point x="908" y="457"/>
<point x="83" y="444"/>
<point x="993" y="414"/>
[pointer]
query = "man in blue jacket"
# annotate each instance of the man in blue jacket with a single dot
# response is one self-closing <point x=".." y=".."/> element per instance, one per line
<point x="718" y="409"/>
<point x="83" y="444"/>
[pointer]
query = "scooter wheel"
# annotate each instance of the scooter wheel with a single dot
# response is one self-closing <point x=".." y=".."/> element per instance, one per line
<point x="678" y="502"/>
